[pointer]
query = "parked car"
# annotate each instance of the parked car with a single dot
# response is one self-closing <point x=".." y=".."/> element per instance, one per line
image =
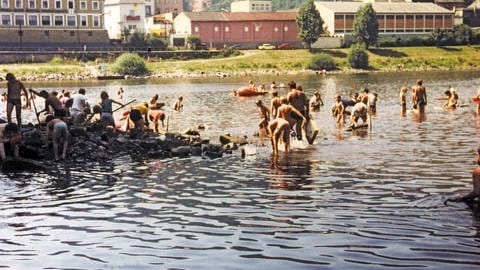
<point x="266" y="46"/>
<point x="286" y="46"/>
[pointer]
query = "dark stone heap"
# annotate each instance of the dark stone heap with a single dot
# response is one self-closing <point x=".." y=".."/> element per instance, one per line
<point x="93" y="143"/>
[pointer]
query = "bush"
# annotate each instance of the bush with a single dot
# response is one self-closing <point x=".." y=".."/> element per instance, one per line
<point x="322" y="61"/>
<point x="358" y="57"/>
<point x="56" y="60"/>
<point x="130" y="64"/>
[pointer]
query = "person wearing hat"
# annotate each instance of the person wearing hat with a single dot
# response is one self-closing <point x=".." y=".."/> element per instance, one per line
<point x="14" y="99"/>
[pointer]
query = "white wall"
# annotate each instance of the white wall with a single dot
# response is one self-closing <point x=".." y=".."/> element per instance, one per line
<point x="116" y="12"/>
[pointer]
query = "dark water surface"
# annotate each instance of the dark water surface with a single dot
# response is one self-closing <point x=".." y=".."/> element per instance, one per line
<point x="353" y="200"/>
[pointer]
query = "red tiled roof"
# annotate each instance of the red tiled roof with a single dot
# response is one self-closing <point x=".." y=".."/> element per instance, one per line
<point x="241" y="16"/>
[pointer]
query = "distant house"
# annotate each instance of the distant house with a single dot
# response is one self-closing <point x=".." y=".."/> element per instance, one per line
<point x="52" y="24"/>
<point x="244" y="29"/>
<point x="394" y="19"/>
<point x="124" y="16"/>
<point x="471" y="14"/>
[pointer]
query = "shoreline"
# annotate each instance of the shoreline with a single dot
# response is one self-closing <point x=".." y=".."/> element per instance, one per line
<point x="240" y="74"/>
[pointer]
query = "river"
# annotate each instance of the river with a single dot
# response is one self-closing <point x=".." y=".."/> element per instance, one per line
<point x="353" y="200"/>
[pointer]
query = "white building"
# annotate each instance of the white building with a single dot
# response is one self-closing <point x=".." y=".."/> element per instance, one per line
<point x="251" y="6"/>
<point x="129" y="14"/>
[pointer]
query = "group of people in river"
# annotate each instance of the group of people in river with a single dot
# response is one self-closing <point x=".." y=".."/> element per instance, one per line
<point x="63" y="110"/>
<point x="286" y="117"/>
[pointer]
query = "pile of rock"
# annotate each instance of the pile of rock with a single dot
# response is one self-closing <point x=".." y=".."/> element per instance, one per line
<point x="94" y="144"/>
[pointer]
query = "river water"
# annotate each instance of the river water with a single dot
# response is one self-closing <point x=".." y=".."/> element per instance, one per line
<point x="353" y="200"/>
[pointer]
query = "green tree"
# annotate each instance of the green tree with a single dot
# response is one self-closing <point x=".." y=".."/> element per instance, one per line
<point x="193" y="42"/>
<point x="358" y="56"/>
<point x="365" y="26"/>
<point x="309" y="23"/>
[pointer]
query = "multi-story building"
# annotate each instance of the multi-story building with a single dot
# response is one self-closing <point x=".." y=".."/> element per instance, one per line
<point x="251" y="6"/>
<point x="399" y="19"/>
<point x="125" y="17"/>
<point x="52" y="23"/>
<point x="168" y="6"/>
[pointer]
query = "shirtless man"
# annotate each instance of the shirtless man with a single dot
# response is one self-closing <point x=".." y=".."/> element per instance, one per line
<point x="286" y="111"/>
<point x="279" y="127"/>
<point x="339" y="110"/>
<point x="264" y="116"/>
<point x="14" y="98"/>
<point x="419" y="97"/>
<point x="274" y="104"/>
<point x="9" y="133"/>
<point x="475" y="193"/>
<point x="178" y="106"/>
<point x="58" y="130"/>
<point x="51" y="101"/>
<point x="299" y="101"/>
<point x="316" y="101"/>
<point x="155" y="116"/>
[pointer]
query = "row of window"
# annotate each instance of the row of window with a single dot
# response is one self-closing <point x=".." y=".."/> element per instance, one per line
<point x="392" y="17"/>
<point x="392" y="30"/>
<point x="196" y="29"/>
<point x="262" y="7"/>
<point x="45" y="4"/>
<point x="48" y="20"/>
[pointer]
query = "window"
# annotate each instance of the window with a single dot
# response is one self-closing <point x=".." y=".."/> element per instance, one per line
<point x="58" y="21"/>
<point x="196" y="29"/>
<point x="58" y="4"/>
<point x="45" y="4"/>
<point x="275" y="29"/>
<point x="90" y="33"/>
<point x="285" y="29"/>
<point x="19" y="20"/>
<point x="227" y="29"/>
<point x="72" y="33"/>
<point x="257" y="28"/>
<point x="46" y="20"/>
<point x="5" y="3"/>
<point x="31" y="4"/>
<point x="18" y="3"/>
<point x="71" y="4"/>
<point x="83" y="5"/>
<point x="71" y="20"/>
<point x="148" y="10"/>
<point x="96" y="21"/>
<point x="33" y="20"/>
<point x="6" y="20"/>
<point x="95" y="5"/>
<point x="47" y="33"/>
<point x="83" y="20"/>
<point x="215" y="28"/>
<point x="245" y="29"/>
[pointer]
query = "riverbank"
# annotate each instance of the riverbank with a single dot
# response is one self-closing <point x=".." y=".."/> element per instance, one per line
<point x="257" y="62"/>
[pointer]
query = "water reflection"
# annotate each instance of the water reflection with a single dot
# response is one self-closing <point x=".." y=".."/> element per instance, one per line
<point x="367" y="199"/>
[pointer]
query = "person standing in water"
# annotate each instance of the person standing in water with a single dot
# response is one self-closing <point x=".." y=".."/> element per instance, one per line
<point x="14" y="98"/>
<point x="419" y="97"/>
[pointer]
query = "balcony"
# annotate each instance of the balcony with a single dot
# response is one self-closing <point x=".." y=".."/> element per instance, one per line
<point x="132" y="18"/>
